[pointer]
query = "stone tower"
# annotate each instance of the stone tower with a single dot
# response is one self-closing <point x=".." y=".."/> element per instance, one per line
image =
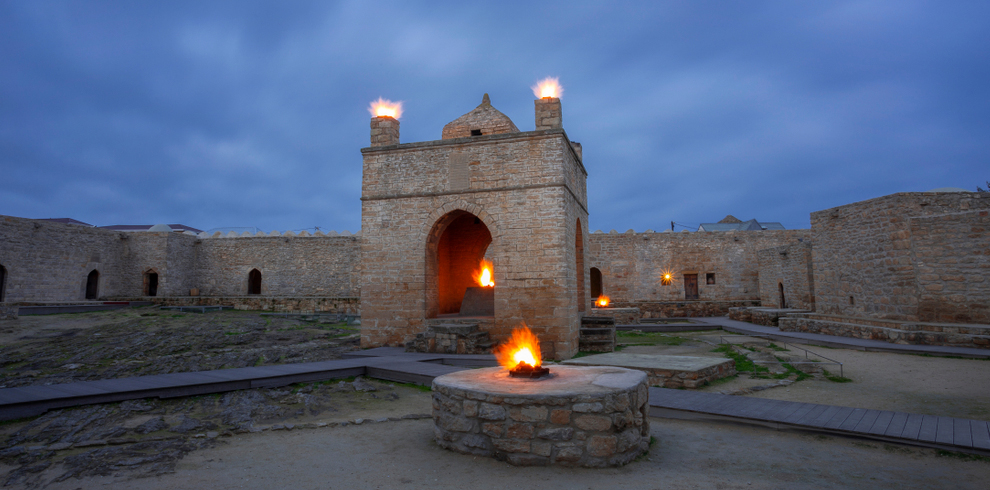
<point x="432" y="210"/>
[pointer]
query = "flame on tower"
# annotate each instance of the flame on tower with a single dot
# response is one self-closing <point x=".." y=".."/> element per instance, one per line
<point x="385" y="108"/>
<point x="548" y="87"/>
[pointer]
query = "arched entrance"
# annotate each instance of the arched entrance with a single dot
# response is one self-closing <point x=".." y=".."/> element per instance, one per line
<point x="151" y="283"/>
<point x="3" y="282"/>
<point x="596" y="282"/>
<point x="454" y="249"/>
<point x="254" y="282"/>
<point x="579" y="263"/>
<point x="93" y="285"/>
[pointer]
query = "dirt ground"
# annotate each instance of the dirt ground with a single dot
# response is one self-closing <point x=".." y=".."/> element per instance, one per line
<point x="686" y="455"/>
<point x="368" y="434"/>
<point x="883" y="381"/>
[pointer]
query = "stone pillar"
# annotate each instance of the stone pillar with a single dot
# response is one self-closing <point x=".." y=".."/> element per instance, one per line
<point x="548" y="114"/>
<point x="578" y="150"/>
<point x="384" y="131"/>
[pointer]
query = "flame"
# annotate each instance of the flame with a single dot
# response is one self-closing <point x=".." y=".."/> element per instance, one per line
<point x="602" y="301"/>
<point x="485" y="276"/>
<point x="521" y="347"/>
<point x="548" y="87"/>
<point x="666" y="278"/>
<point x="384" y="107"/>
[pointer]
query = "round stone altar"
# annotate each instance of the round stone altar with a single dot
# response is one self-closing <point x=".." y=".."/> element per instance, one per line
<point x="592" y="416"/>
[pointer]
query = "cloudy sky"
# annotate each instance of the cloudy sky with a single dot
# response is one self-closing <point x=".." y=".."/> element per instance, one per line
<point x="252" y="114"/>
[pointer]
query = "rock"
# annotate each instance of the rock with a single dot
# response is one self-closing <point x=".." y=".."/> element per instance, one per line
<point x="188" y="424"/>
<point x="136" y="406"/>
<point x="361" y="385"/>
<point x="343" y="387"/>
<point x="152" y="425"/>
<point x="212" y="435"/>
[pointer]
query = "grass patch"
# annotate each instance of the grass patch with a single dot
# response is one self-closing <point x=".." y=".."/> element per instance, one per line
<point x="743" y="364"/>
<point x="649" y="338"/>
<point x="791" y="371"/>
<point x="835" y="379"/>
<point x="962" y="456"/>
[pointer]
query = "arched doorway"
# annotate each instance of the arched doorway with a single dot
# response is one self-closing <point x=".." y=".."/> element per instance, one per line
<point x="780" y="285"/>
<point x="93" y="285"/>
<point x="3" y="282"/>
<point x="579" y="264"/>
<point x="254" y="282"/>
<point x="151" y="283"/>
<point x="454" y="250"/>
<point x="596" y="282"/>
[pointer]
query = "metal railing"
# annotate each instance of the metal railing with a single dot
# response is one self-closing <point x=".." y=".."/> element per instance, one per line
<point x="770" y="341"/>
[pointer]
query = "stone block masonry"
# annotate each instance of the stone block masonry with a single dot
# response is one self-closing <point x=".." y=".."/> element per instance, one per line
<point x="587" y="416"/>
<point x="919" y="256"/>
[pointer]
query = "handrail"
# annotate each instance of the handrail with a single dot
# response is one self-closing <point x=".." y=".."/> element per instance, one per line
<point x="770" y="340"/>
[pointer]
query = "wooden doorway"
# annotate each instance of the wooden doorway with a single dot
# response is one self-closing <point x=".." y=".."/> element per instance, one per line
<point x="690" y="286"/>
<point x="93" y="285"/>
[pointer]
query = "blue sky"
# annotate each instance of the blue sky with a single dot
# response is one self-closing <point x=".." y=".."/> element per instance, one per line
<point x="223" y="114"/>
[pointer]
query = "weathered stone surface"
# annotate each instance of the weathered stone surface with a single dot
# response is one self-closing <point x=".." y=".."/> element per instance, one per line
<point x="581" y="403"/>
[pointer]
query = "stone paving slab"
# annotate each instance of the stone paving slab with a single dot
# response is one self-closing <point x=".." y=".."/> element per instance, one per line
<point x="667" y="371"/>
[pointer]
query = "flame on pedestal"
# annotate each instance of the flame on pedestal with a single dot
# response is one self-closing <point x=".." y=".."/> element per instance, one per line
<point x="548" y="87"/>
<point x="485" y="276"/>
<point x="384" y="107"/>
<point x="521" y="347"/>
<point x="602" y="301"/>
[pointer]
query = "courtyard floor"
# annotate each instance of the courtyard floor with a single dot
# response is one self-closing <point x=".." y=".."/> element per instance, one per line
<point x="368" y="434"/>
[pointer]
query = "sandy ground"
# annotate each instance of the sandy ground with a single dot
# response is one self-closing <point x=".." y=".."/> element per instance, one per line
<point x="881" y="381"/>
<point x="687" y="455"/>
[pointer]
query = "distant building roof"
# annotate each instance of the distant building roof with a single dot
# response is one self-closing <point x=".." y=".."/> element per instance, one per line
<point x="68" y="221"/>
<point x="728" y="225"/>
<point x="175" y="227"/>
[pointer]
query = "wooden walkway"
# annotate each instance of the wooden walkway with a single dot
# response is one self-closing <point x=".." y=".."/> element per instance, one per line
<point x="906" y="428"/>
<point x="394" y="364"/>
<point x="745" y="328"/>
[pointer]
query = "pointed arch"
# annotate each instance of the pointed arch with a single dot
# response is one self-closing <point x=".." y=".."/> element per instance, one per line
<point x="93" y="285"/>
<point x="254" y="282"/>
<point x="150" y="282"/>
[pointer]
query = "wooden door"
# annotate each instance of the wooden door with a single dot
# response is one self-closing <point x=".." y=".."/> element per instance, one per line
<point x="690" y="286"/>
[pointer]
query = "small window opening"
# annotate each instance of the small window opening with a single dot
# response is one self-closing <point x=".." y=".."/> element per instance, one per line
<point x="596" y="282"/>
<point x="254" y="282"/>
<point x="852" y="302"/>
<point x="710" y="278"/>
<point x="475" y="132"/>
<point x="783" y="301"/>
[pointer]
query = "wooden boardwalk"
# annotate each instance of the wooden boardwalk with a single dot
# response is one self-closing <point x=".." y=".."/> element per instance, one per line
<point x="906" y="428"/>
<point x="396" y="365"/>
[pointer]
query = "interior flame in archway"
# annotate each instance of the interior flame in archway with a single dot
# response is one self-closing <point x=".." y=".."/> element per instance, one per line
<point x="548" y="87"/>
<point x="484" y="277"/>
<point x="521" y="347"/>
<point x="384" y="107"/>
<point x="602" y="301"/>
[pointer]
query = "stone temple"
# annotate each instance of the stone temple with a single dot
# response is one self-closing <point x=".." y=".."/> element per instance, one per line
<point x="908" y="267"/>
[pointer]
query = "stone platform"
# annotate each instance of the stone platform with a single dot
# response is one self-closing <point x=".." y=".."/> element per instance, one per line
<point x="665" y="371"/>
<point x="592" y="416"/>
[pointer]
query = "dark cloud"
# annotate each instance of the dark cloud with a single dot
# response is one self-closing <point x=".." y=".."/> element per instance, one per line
<point x="252" y="114"/>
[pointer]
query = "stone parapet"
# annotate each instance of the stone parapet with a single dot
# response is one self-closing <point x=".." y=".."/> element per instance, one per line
<point x="341" y="305"/>
<point x="384" y="131"/>
<point x="622" y="316"/>
<point x="768" y="317"/>
<point x="683" y="309"/>
<point x="583" y="416"/>
<point x="895" y="332"/>
<point x="8" y="311"/>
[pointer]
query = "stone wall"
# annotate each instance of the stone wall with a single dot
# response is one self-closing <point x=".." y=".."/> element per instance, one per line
<point x="319" y="266"/>
<point x="787" y="268"/>
<point x="952" y="256"/>
<point x="529" y="191"/>
<point x="48" y="261"/>
<point x="632" y="263"/>
<point x="870" y="258"/>
<point x="8" y="311"/>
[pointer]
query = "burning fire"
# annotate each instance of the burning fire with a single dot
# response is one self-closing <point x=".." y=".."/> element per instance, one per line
<point x="548" y="87"/>
<point x="522" y="347"/>
<point x="384" y="107"/>
<point x="602" y="301"/>
<point x="485" y="276"/>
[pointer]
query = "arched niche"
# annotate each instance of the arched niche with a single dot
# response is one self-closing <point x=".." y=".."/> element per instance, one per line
<point x="455" y="246"/>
